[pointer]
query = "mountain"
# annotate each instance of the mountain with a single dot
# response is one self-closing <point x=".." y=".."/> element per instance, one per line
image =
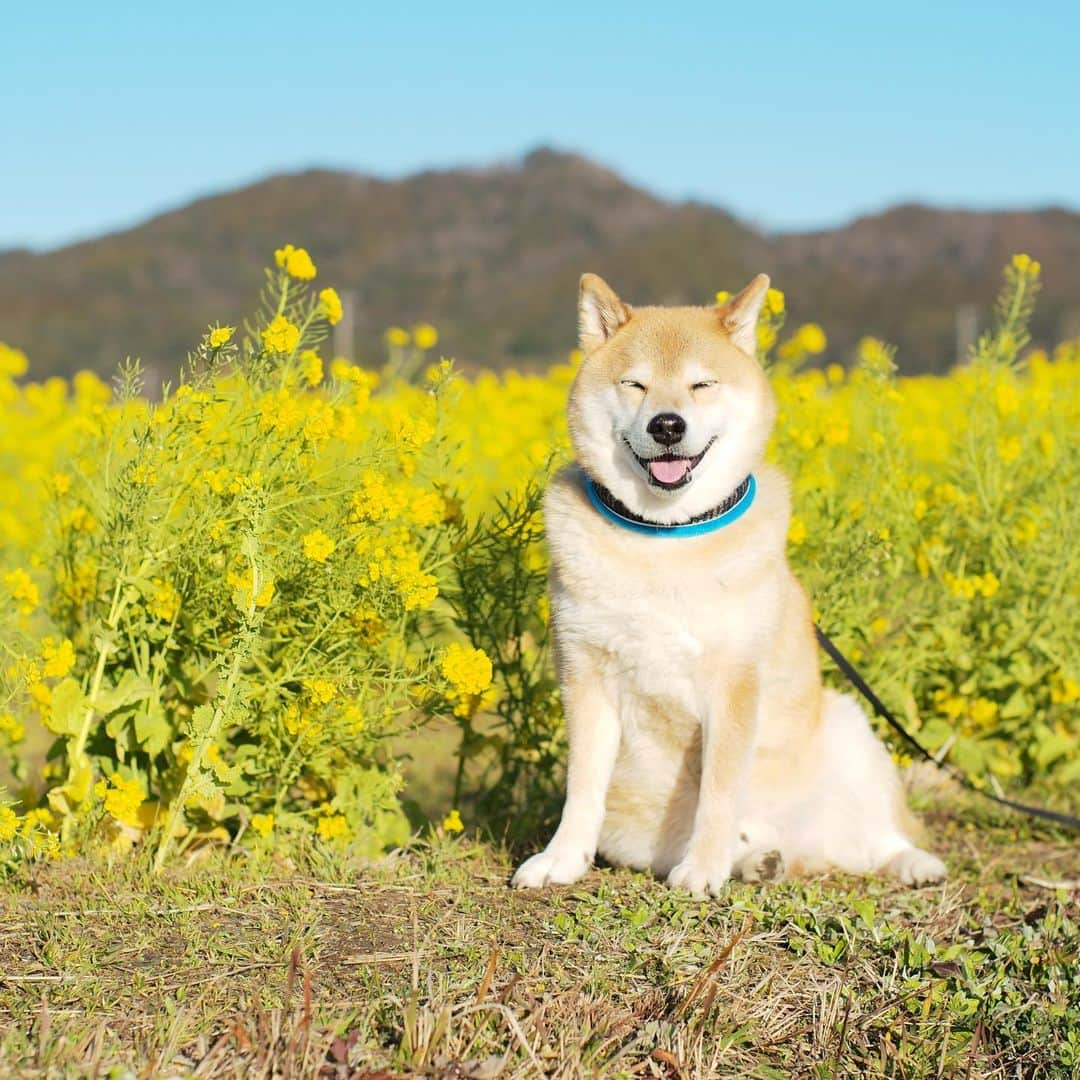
<point x="491" y="257"/>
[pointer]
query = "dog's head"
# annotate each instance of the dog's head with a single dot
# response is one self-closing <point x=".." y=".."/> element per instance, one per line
<point x="670" y="409"/>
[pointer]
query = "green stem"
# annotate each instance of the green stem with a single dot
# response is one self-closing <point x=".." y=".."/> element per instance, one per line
<point x="240" y="651"/>
<point x="104" y="649"/>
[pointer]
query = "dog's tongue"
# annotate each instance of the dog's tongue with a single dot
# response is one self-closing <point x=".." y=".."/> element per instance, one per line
<point x="670" y="472"/>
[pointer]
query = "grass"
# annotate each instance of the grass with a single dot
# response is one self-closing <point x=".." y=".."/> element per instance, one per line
<point x="429" y="965"/>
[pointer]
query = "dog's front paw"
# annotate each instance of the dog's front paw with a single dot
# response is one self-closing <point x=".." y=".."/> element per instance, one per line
<point x="551" y="867"/>
<point x="913" y="866"/>
<point x="700" y="878"/>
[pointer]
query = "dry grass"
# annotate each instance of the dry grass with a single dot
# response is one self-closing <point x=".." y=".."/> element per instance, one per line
<point x="430" y="966"/>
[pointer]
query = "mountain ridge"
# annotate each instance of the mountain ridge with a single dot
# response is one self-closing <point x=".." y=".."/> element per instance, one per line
<point x="491" y="256"/>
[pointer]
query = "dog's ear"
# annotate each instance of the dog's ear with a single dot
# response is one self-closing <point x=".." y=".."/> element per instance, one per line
<point x="739" y="315"/>
<point x="600" y="312"/>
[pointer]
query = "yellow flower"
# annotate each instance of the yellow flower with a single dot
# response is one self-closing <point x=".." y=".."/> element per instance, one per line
<point x="427" y="508"/>
<point x="1064" y="690"/>
<point x="452" y="823"/>
<point x="1007" y="397"/>
<point x="796" y="531"/>
<point x="321" y="690"/>
<point x="332" y="826"/>
<point x="215" y="479"/>
<point x="296" y="262"/>
<point x="397" y="337"/>
<point x="61" y="483"/>
<point x="983" y="712"/>
<point x="469" y="673"/>
<point x="311" y="367"/>
<point x="78" y="519"/>
<point x="837" y="432"/>
<point x="812" y="338"/>
<point x="221" y="335"/>
<point x="876" y="358"/>
<point x="318" y="547"/>
<point x="1025" y="531"/>
<point x="243" y="582"/>
<point x="9" y="824"/>
<point x="438" y="373"/>
<point x="56" y="660"/>
<point x="12" y="361"/>
<point x="11" y="728"/>
<point x="774" y="302"/>
<point x="1009" y="448"/>
<point x="330" y="306"/>
<point x="263" y="824"/>
<point x="281" y="336"/>
<point x="22" y="590"/>
<point x="122" y="798"/>
<point x="425" y="336"/>
<point x="164" y="601"/>
<point x="1026" y="265"/>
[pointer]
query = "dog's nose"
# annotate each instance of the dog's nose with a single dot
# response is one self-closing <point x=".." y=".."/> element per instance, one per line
<point x="667" y="428"/>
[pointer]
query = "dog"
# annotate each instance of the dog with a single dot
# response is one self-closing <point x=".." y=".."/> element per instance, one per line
<point x="702" y="744"/>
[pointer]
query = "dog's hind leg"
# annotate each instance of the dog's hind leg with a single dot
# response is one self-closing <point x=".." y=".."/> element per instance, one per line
<point x="857" y="820"/>
<point x="757" y="854"/>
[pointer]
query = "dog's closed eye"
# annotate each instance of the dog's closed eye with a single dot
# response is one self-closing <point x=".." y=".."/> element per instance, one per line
<point x="704" y="384"/>
<point x="632" y="383"/>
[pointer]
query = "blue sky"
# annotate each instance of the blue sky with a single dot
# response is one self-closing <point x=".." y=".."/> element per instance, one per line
<point x="792" y="115"/>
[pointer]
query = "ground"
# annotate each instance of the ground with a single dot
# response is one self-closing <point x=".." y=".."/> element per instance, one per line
<point x="429" y="965"/>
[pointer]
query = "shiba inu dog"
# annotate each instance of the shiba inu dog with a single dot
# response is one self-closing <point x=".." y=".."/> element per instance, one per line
<point x="701" y="741"/>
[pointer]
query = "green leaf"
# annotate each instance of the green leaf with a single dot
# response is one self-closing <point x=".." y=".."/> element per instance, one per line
<point x="130" y="689"/>
<point x="201" y="719"/>
<point x="969" y="755"/>
<point x="68" y="708"/>
<point x="152" y="728"/>
<point x="866" y="910"/>
<point x="934" y="733"/>
<point x="1055" y="745"/>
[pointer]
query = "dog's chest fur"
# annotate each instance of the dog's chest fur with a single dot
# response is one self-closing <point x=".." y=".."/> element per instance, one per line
<point x="667" y="619"/>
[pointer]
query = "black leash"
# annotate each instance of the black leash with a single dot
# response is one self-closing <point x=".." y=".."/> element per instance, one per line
<point x="958" y="775"/>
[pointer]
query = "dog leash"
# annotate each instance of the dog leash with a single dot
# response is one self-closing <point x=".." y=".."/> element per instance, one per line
<point x="961" y="777"/>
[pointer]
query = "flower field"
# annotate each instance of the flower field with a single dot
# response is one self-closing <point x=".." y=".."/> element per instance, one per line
<point x="228" y="607"/>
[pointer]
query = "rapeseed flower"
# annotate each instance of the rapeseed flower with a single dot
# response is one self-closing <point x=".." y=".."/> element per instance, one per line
<point x="23" y="591"/>
<point x="281" y="336"/>
<point x="263" y="824"/>
<point x="122" y="798"/>
<point x="330" y="306"/>
<point x="296" y="262"/>
<point x="469" y="673"/>
<point x="320" y="690"/>
<point x="57" y="659"/>
<point x="318" y="547"/>
<point x="9" y="824"/>
<point x="332" y="826"/>
<point x="311" y="367"/>
<point x="425" y="336"/>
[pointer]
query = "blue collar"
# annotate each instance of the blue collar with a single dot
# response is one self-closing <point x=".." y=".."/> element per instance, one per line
<point x="730" y="510"/>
